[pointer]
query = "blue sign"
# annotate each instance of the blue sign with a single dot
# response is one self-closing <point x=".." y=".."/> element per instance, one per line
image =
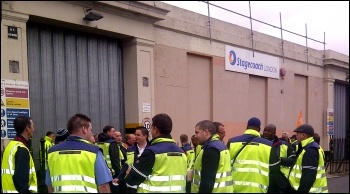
<point x="10" y="123"/>
<point x="11" y="133"/>
<point x="3" y="112"/>
<point x="14" y="112"/>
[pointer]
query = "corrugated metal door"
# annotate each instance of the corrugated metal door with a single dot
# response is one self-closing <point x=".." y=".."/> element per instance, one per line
<point x="341" y="119"/>
<point x="73" y="72"/>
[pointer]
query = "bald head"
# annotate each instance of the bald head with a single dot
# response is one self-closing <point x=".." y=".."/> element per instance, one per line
<point x="269" y="132"/>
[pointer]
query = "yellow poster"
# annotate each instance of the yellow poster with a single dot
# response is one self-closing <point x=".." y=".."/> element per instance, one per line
<point x="17" y="103"/>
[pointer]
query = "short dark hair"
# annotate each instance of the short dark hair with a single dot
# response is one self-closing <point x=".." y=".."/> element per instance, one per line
<point x="49" y="133"/>
<point x="184" y="138"/>
<point x="20" y="123"/>
<point x="217" y="125"/>
<point x="143" y="130"/>
<point x="317" y="138"/>
<point x="77" y="121"/>
<point x="206" y="124"/>
<point x="107" y="128"/>
<point x="163" y="123"/>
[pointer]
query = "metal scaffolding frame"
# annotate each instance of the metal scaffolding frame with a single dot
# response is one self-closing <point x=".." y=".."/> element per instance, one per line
<point x="252" y="34"/>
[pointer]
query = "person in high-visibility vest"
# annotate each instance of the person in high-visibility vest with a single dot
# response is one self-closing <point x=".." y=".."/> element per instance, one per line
<point x="189" y="151"/>
<point x="220" y="130"/>
<point x="308" y="174"/>
<point x="162" y="167"/>
<point x="18" y="173"/>
<point x="294" y="142"/>
<point x="77" y="165"/>
<point x="49" y="142"/>
<point x="254" y="161"/>
<point x="197" y="148"/>
<point x="133" y="153"/>
<point x="212" y="169"/>
<point x="286" y="154"/>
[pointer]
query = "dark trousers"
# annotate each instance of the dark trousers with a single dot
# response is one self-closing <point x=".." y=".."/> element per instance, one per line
<point x="114" y="189"/>
<point x="188" y="186"/>
<point x="131" y="190"/>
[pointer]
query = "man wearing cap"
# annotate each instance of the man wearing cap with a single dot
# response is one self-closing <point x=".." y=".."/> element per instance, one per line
<point x="62" y="135"/>
<point x="308" y="174"/>
<point x="255" y="164"/>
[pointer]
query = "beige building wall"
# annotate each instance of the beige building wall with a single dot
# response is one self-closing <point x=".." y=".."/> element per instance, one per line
<point x="185" y="69"/>
<point x="235" y="96"/>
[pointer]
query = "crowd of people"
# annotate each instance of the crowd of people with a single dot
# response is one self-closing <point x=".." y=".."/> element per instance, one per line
<point x="80" y="161"/>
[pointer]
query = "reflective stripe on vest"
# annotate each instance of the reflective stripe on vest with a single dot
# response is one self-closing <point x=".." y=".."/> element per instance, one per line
<point x="251" y="168"/>
<point x="162" y="188"/>
<point x="8" y="169"/>
<point x="72" y="188"/>
<point x="73" y="178"/>
<point x="78" y="175"/>
<point x="162" y="178"/>
<point x="167" y="178"/>
<point x="250" y="184"/>
<point x="320" y="184"/>
<point x="223" y="177"/>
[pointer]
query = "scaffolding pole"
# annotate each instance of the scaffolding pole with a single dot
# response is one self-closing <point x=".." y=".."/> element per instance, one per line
<point x="262" y="22"/>
<point x="307" y="49"/>
<point x="251" y="28"/>
<point x="281" y="37"/>
<point x="209" y="24"/>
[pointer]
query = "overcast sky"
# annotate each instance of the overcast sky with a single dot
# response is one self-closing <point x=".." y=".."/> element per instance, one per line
<point x="329" y="17"/>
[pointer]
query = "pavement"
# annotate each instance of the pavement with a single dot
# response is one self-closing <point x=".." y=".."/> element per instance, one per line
<point x="338" y="182"/>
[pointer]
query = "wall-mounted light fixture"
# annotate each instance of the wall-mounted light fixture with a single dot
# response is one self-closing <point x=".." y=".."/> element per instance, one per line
<point x="92" y="16"/>
<point x="283" y="72"/>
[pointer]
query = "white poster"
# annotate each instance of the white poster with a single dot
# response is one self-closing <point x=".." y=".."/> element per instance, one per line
<point x="242" y="60"/>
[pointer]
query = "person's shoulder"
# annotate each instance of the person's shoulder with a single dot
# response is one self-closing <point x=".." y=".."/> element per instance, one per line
<point x="22" y="150"/>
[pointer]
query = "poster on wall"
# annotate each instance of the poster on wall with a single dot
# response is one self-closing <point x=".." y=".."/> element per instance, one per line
<point x="330" y="122"/>
<point x="14" y="102"/>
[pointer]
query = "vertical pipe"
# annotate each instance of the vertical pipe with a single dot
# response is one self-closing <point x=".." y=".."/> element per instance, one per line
<point x="307" y="49"/>
<point x="281" y="37"/>
<point x="324" y="45"/>
<point x="251" y="28"/>
<point x="209" y="22"/>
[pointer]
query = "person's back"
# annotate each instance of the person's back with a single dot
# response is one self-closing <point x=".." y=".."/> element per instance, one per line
<point x="76" y="165"/>
<point x="163" y="161"/>
<point x="104" y="143"/>
<point x="189" y="151"/>
<point x="255" y="165"/>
